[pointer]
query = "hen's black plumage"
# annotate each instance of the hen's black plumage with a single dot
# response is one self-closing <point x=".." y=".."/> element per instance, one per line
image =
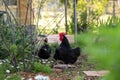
<point x="44" y="51"/>
<point x="67" y="56"/>
<point x="65" y="43"/>
<point x="66" y="53"/>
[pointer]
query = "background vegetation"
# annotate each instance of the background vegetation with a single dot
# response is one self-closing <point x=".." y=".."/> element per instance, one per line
<point x="103" y="46"/>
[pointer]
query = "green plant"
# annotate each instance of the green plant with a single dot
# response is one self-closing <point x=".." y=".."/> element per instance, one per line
<point x="38" y="67"/>
<point x="53" y="47"/>
<point x="81" y="77"/>
<point x="3" y="53"/>
<point x="88" y="14"/>
<point x="3" y="74"/>
<point x="14" y="77"/>
<point x="104" y="47"/>
<point x="17" y="44"/>
<point x="5" y="69"/>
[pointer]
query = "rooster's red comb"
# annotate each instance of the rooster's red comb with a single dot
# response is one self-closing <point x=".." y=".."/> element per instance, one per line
<point x="61" y="35"/>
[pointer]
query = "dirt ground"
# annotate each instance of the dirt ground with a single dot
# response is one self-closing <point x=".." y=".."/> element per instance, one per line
<point x="72" y="73"/>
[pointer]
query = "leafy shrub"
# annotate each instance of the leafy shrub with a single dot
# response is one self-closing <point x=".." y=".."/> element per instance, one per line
<point x="3" y="53"/>
<point x="17" y="43"/>
<point x="38" y="67"/>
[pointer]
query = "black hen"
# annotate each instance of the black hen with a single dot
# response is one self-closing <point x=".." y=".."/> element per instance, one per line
<point x="44" y="51"/>
<point x="68" y="56"/>
<point x="66" y="53"/>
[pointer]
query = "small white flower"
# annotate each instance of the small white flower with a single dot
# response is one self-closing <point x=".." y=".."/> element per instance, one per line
<point x="18" y="67"/>
<point x="49" y="62"/>
<point x="1" y="63"/>
<point x="4" y="61"/>
<point x="7" y="71"/>
<point x="12" y="66"/>
<point x="43" y="62"/>
<point x="7" y="60"/>
<point x="52" y="61"/>
<point x="30" y="79"/>
<point x="26" y="60"/>
<point x="7" y="77"/>
<point x="21" y="62"/>
<point x="22" y="78"/>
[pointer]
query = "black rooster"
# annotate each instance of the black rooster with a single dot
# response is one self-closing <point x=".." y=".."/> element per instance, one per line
<point x="45" y="50"/>
<point x="65" y="53"/>
<point x="65" y="43"/>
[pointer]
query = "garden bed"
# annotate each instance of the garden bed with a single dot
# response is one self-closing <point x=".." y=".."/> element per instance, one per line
<point x="72" y="72"/>
<point x="62" y="71"/>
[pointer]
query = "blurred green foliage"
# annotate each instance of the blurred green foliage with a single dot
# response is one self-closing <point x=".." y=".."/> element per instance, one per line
<point x="103" y="45"/>
<point x="88" y="14"/>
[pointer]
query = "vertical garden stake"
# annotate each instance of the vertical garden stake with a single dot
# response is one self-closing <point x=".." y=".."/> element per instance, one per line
<point x="75" y="21"/>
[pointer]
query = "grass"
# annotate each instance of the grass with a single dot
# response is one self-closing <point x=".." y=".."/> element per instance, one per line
<point x="14" y="77"/>
<point x="45" y="68"/>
